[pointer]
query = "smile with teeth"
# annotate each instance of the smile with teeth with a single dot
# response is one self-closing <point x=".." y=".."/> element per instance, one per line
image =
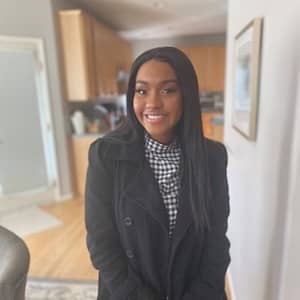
<point x="154" y="117"/>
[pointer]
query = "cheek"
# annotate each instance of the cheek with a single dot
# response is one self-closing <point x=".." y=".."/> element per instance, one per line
<point x="178" y="109"/>
<point x="137" y="108"/>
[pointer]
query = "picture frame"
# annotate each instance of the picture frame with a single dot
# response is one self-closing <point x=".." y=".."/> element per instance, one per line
<point x="247" y="62"/>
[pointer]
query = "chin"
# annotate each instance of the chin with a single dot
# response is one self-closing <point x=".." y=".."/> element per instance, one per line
<point x="161" y="137"/>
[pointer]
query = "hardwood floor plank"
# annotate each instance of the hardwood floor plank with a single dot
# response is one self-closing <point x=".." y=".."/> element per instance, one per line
<point x="61" y="252"/>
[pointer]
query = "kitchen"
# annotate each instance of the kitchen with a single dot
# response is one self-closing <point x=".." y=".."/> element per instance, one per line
<point x="96" y="64"/>
<point x="94" y="87"/>
<point x="95" y="73"/>
<point x="263" y="174"/>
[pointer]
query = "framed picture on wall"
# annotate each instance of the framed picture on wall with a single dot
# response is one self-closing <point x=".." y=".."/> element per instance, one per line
<point x="247" y="62"/>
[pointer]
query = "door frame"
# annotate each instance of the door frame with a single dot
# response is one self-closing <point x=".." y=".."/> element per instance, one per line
<point x="51" y="192"/>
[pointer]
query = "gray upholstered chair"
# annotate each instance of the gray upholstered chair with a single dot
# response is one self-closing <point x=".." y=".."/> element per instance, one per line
<point x="14" y="266"/>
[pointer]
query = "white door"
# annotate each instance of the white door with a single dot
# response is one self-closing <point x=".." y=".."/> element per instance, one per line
<point x="27" y="160"/>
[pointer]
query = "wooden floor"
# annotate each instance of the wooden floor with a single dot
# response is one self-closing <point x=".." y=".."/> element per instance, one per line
<point x="61" y="252"/>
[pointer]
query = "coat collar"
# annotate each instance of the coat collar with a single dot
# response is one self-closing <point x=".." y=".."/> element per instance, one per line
<point x="124" y="144"/>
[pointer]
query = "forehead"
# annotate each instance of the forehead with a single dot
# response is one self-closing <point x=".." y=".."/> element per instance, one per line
<point x="154" y="70"/>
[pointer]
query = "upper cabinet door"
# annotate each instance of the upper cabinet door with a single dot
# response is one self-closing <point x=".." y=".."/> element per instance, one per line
<point x="199" y="59"/>
<point x="78" y="55"/>
<point x="112" y="55"/>
<point x="105" y="41"/>
<point x="209" y="64"/>
<point x="93" y="56"/>
<point x="215" y="72"/>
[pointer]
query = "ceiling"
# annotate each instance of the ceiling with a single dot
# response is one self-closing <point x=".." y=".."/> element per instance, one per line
<point x="149" y="19"/>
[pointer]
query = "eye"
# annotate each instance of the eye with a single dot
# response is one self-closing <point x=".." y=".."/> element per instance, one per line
<point x="140" y="91"/>
<point x="168" y="90"/>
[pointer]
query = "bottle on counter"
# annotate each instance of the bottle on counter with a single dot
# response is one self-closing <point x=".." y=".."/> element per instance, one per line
<point x="78" y="122"/>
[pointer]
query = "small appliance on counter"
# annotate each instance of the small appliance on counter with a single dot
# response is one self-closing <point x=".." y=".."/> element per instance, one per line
<point x="97" y="116"/>
<point x="211" y="101"/>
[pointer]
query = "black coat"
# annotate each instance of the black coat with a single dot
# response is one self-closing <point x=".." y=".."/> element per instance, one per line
<point x="127" y="228"/>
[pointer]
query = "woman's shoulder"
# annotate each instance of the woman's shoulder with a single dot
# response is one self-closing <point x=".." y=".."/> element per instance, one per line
<point x="118" y="144"/>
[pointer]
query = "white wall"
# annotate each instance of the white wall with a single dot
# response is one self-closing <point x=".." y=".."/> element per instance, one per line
<point x="33" y="18"/>
<point x="290" y="288"/>
<point x="260" y="172"/>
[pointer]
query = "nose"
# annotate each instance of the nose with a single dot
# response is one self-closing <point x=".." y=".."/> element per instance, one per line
<point x="154" y="100"/>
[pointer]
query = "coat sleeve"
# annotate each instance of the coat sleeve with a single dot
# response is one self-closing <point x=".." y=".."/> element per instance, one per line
<point x="209" y="282"/>
<point x="106" y="252"/>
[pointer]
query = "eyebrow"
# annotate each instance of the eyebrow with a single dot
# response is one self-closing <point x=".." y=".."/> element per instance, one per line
<point x="164" y="81"/>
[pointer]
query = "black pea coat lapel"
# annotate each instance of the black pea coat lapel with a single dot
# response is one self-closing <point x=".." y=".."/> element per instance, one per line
<point x="143" y="189"/>
<point x="184" y="218"/>
<point x="137" y="180"/>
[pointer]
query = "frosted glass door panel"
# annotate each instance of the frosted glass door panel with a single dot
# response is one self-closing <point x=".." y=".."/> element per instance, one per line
<point x="22" y="155"/>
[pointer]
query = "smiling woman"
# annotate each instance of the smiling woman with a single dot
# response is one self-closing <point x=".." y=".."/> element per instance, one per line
<point x="156" y="193"/>
<point x="157" y="101"/>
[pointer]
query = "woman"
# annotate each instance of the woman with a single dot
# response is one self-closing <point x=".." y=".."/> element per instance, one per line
<point x="156" y="193"/>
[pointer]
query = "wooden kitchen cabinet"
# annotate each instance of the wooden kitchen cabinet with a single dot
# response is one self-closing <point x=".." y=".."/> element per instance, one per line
<point x="198" y="57"/>
<point x="93" y="55"/>
<point x="112" y="54"/>
<point x="78" y="54"/>
<point x="80" y="147"/>
<point x="215" y="71"/>
<point x="211" y="130"/>
<point x="209" y="64"/>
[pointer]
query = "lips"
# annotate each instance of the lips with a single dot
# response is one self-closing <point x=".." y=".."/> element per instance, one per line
<point x="154" y="117"/>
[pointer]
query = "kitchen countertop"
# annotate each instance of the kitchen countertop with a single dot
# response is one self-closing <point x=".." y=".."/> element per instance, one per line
<point x="99" y="135"/>
<point x="88" y="135"/>
<point x="210" y="110"/>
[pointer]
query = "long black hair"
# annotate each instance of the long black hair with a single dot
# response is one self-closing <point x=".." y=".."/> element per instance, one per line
<point x="189" y="130"/>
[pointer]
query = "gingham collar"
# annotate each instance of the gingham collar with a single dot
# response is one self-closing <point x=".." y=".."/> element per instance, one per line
<point x="155" y="146"/>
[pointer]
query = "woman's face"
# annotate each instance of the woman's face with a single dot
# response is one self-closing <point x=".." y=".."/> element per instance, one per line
<point x="157" y="101"/>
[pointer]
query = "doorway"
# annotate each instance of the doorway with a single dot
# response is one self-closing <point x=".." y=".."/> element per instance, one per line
<point x="28" y="165"/>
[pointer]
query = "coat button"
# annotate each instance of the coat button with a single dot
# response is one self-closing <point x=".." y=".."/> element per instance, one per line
<point x="127" y="221"/>
<point x="129" y="254"/>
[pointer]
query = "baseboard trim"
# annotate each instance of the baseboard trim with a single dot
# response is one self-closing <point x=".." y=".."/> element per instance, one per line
<point x="66" y="197"/>
<point x="231" y="285"/>
<point x="17" y="201"/>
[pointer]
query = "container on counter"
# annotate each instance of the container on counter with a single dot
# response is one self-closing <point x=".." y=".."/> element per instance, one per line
<point x="78" y="122"/>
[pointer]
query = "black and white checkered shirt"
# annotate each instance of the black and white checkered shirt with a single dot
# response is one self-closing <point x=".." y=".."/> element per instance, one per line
<point x="164" y="160"/>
